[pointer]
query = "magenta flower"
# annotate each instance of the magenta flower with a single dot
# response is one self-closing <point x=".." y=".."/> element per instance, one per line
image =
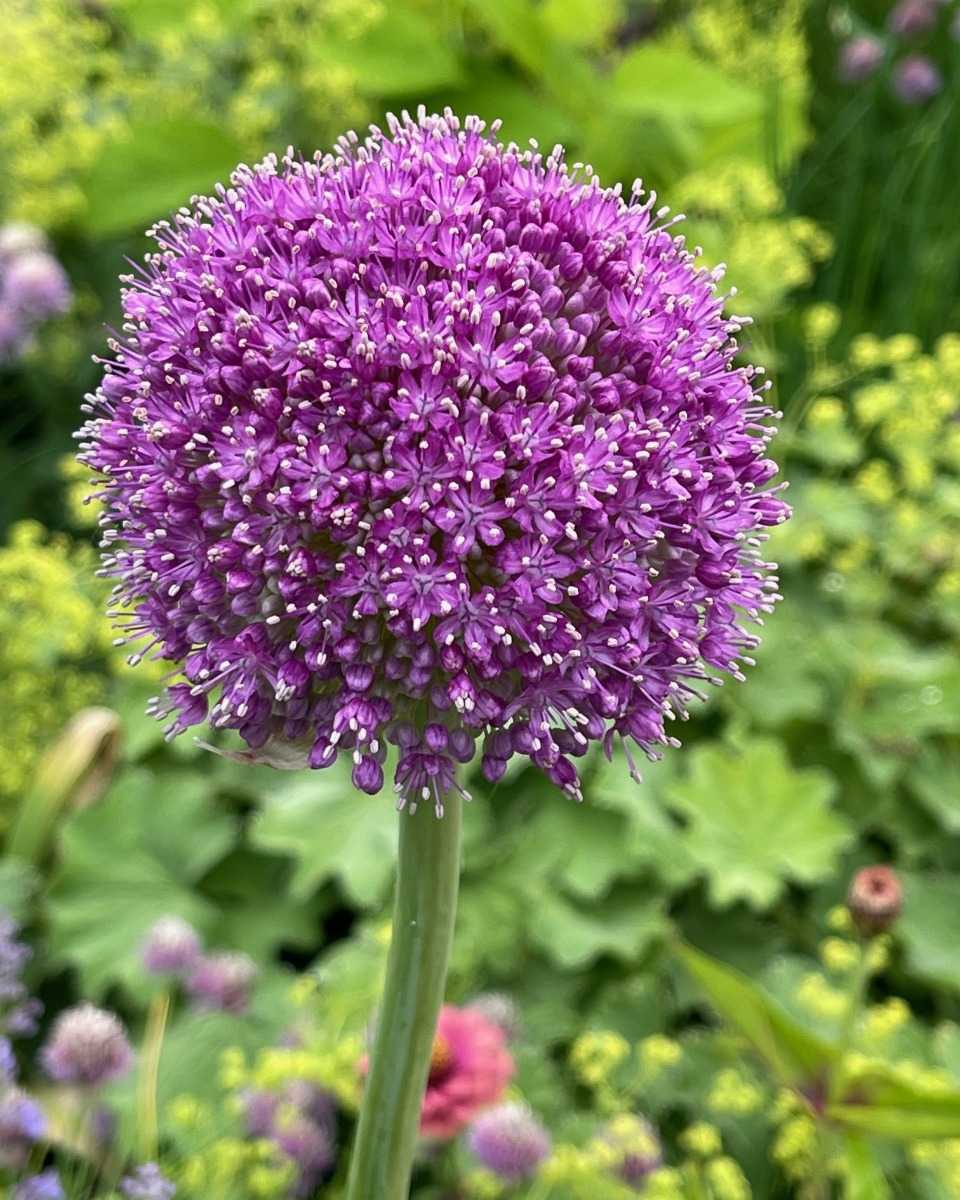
<point x="469" y="1070"/>
<point x="431" y="441"/>
<point x="509" y="1141"/>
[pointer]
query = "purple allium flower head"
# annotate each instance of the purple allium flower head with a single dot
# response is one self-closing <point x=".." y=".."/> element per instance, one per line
<point x="501" y="1010"/>
<point x="171" y="947"/>
<point x="147" y="1183"/>
<point x="912" y="17"/>
<point x="88" y="1046"/>
<point x="222" y="981"/>
<point x="916" y="79"/>
<point x="45" y="1186"/>
<point x="430" y="441"/>
<point x="860" y="58"/>
<point x="509" y="1141"/>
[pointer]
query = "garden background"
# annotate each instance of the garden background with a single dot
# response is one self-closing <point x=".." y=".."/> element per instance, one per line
<point x="827" y="183"/>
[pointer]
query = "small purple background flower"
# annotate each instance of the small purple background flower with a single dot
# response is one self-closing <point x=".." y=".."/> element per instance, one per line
<point x="45" y="1186"/>
<point x="432" y="442"/>
<point x="860" y="58"/>
<point x="916" y="79"/>
<point x="88" y="1046"/>
<point x="222" y="981"/>
<point x="509" y="1141"/>
<point x="171" y="947"/>
<point x="147" y="1183"/>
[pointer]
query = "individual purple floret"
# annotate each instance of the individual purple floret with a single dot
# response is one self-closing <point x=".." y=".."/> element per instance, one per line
<point x="172" y="947"/>
<point x="88" y="1046"/>
<point x="222" y="981"/>
<point x="860" y="58"/>
<point x="432" y="441"/>
<point x="509" y="1141"/>
<point x="147" y="1183"/>
<point x="45" y="1186"/>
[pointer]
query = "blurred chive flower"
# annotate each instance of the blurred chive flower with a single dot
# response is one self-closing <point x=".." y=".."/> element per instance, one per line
<point x="222" y="981"/>
<point x="88" y="1046"/>
<point x="629" y="1148"/>
<point x="23" y="1123"/>
<point x="431" y="441"/>
<point x="33" y="288"/>
<point x="509" y="1141"/>
<point x="502" y="1010"/>
<point x="172" y="947"/>
<point x="910" y="18"/>
<point x="916" y="79"/>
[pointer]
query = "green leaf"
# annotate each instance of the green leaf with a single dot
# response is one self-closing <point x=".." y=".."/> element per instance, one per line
<point x="573" y="935"/>
<point x="331" y="831"/>
<point x="929" y="927"/>
<point x="794" y="1054"/>
<point x="402" y="52"/>
<point x="259" y="915"/>
<point x="130" y="859"/>
<point x="756" y="822"/>
<point x="658" y="80"/>
<point x="932" y="1117"/>
<point x="864" y="1177"/>
<point x="19" y="883"/>
<point x="155" y="168"/>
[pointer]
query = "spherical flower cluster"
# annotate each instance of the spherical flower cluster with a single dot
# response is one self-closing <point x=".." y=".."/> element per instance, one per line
<point x="469" y="1070"/>
<point x="502" y="1010"/>
<point x="88" y="1046"/>
<point x="875" y="899"/>
<point x="222" y="981"/>
<point x="916" y="79"/>
<point x="910" y="18"/>
<point x="509" y="1141"/>
<point x="431" y="441"/>
<point x="172" y="947"/>
<point x="860" y="57"/>
<point x="33" y="288"/>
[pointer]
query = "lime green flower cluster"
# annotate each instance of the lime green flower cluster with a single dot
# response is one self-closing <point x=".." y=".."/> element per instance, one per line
<point x="318" y="1057"/>
<point x="55" y="115"/>
<point x="885" y="422"/>
<point x="737" y="214"/>
<point x="57" y="644"/>
<point x="253" y="75"/>
<point x="224" y="1168"/>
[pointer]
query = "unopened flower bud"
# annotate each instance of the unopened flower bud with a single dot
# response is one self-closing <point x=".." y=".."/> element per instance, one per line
<point x="875" y="900"/>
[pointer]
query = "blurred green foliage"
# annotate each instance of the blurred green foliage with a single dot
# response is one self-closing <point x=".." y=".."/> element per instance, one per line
<point x="833" y="209"/>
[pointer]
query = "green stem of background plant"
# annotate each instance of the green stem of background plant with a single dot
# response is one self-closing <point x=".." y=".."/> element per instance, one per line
<point x="858" y="991"/>
<point x="428" y="878"/>
<point x="150" y="1073"/>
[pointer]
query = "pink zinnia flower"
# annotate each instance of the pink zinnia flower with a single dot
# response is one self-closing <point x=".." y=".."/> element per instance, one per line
<point x="469" y="1070"/>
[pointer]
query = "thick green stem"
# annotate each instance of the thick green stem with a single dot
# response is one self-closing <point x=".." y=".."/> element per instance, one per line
<point x="428" y="877"/>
